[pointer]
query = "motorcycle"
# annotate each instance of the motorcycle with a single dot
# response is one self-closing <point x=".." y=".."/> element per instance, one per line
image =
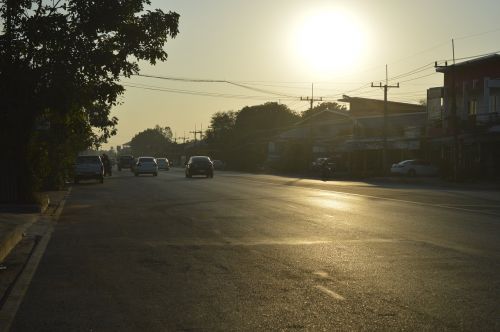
<point x="327" y="170"/>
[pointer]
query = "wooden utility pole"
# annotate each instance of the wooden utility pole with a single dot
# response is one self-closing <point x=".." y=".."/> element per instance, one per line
<point x="196" y="132"/>
<point x="386" y="86"/>
<point x="453" y="118"/>
<point x="183" y="138"/>
<point x="311" y="100"/>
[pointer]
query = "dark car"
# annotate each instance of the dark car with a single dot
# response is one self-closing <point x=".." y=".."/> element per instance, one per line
<point x="163" y="163"/>
<point x="199" y="165"/>
<point x="125" y="162"/>
<point x="89" y="167"/>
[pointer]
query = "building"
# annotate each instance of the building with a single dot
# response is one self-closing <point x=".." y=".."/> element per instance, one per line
<point x="355" y="138"/>
<point x="399" y="135"/>
<point x="464" y="119"/>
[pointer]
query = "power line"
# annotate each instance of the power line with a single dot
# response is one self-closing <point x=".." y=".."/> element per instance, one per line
<point x="417" y="78"/>
<point x="477" y="34"/>
<point x="283" y="96"/>
<point x="200" y="93"/>
<point x="196" y="80"/>
<point x="469" y="57"/>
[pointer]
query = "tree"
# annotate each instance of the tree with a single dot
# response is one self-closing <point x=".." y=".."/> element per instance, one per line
<point x="264" y="118"/>
<point x="333" y="106"/>
<point x="254" y="126"/>
<point x="166" y="132"/>
<point x="240" y="138"/>
<point x="153" y="142"/>
<point x="60" y="62"/>
<point x="221" y="126"/>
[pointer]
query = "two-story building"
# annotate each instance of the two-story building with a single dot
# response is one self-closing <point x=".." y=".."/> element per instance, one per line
<point x="464" y="118"/>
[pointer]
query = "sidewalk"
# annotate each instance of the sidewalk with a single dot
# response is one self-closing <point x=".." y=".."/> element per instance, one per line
<point x="16" y="219"/>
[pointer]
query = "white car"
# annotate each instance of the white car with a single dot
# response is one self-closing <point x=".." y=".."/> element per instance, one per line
<point x="146" y="165"/>
<point x="414" y="167"/>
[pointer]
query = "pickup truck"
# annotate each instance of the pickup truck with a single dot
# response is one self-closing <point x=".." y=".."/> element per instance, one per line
<point x="125" y="162"/>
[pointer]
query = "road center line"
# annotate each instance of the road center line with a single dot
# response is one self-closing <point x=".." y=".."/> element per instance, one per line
<point x="330" y="293"/>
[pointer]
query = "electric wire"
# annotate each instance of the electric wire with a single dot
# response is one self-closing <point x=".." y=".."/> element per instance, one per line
<point x="361" y="90"/>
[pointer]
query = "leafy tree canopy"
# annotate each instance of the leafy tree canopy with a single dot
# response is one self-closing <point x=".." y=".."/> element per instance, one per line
<point x="60" y="63"/>
<point x="264" y="117"/>
<point x="323" y="106"/>
<point x="221" y="126"/>
<point x="152" y="142"/>
<point x="68" y="55"/>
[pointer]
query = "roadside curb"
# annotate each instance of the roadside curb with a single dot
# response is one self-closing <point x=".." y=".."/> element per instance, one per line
<point x="21" y="284"/>
<point x="9" y="240"/>
<point x="26" y="208"/>
<point x="12" y="238"/>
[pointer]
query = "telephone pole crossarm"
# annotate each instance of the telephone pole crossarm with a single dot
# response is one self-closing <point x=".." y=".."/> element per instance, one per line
<point x="311" y="100"/>
<point x="386" y="87"/>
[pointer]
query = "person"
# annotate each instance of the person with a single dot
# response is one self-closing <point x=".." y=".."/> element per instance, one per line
<point x="107" y="164"/>
<point x="326" y="169"/>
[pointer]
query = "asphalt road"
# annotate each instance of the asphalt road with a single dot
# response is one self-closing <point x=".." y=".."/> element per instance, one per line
<point x="255" y="252"/>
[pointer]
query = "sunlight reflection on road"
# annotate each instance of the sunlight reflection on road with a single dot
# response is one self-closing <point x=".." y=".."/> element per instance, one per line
<point x="336" y="202"/>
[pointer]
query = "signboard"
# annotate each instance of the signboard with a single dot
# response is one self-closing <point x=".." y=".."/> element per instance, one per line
<point x="434" y="103"/>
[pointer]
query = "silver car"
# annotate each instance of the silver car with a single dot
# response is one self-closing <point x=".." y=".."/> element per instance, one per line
<point x="146" y="165"/>
<point x="414" y="167"/>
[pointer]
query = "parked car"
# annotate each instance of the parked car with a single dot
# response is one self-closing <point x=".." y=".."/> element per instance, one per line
<point x="89" y="167"/>
<point x="125" y="161"/>
<point x="146" y="165"/>
<point x="163" y="163"/>
<point x="199" y="165"/>
<point x="218" y="164"/>
<point x="414" y="167"/>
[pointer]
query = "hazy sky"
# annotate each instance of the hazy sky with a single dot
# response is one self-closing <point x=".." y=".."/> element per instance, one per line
<point x="282" y="46"/>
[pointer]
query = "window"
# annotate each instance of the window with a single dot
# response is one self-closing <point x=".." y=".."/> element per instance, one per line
<point x="472" y="107"/>
<point x="495" y="104"/>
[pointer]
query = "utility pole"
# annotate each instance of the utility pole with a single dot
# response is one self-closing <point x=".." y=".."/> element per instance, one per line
<point x="453" y="118"/>
<point x="196" y="132"/>
<point x="386" y="86"/>
<point x="311" y="100"/>
<point x="183" y="138"/>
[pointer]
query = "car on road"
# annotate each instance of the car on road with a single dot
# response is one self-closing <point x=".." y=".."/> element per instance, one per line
<point x="125" y="161"/>
<point x="199" y="165"/>
<point x="414" y="167"/>
<point x="163" y="163"/>
<point x="146" y="165"/>
<point x="89" y="167"/>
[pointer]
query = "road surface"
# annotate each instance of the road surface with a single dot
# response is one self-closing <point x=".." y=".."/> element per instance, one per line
<point x="258" y="252"/>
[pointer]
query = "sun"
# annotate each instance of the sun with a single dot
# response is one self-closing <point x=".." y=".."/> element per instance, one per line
<point x="329" y="41"/>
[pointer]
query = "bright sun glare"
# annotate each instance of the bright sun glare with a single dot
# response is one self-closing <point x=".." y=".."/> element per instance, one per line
<point x="329" y="41"/>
